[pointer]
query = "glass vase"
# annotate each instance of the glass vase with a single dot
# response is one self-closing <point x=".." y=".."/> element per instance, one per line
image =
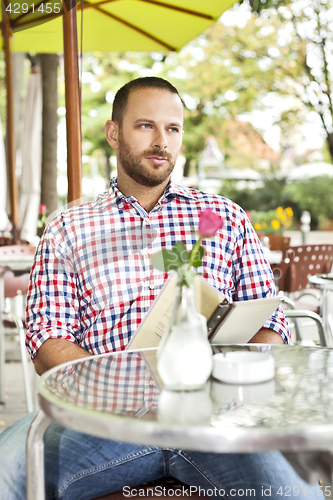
<point x="184" y="357"/>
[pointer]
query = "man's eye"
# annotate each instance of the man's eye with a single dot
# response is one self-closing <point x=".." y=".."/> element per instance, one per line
<point x="145" y="125"/>
<point x="174" y="129"/>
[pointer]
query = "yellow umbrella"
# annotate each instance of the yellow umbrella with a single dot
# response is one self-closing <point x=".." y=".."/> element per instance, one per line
<point x="108" y="25"/>
<point x="114" y="25"/>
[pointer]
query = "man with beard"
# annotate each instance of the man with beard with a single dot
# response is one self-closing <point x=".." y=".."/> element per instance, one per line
<point x="92" y="283"/>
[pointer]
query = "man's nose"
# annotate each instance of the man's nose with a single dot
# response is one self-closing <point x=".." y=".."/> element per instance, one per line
<point x="160" y="140"/>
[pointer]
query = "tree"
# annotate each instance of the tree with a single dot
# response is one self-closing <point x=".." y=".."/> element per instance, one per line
<point x="257" y="6"/>
<point x="225" y="73"/>
<point x="284" y="52"/>
<point x="49" y="67"/>
<point x="309" y="49"/>
<point x="229" y="72"/>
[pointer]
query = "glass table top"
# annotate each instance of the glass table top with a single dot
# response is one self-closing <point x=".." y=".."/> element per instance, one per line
<point x="123" y="392"/>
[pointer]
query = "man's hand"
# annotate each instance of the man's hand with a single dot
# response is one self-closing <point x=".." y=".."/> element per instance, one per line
<point x="266" y="336"/>
<point x="56" y="351"/>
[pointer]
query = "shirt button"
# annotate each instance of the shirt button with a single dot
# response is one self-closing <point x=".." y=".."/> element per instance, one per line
<point x="152" y="286"/>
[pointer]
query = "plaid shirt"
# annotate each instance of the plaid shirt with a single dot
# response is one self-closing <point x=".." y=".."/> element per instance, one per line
<point x="92" y="281"/>
<point x="123" y="385"/>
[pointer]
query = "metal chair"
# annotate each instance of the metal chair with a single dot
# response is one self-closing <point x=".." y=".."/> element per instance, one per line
<point x="5" y="240"/>
<point x="298" y="263"/>
<point x="15" y="296"/>
<point x="292" y="279"/>
<point x="296" y="314"/>
<point x="14" y="287"/>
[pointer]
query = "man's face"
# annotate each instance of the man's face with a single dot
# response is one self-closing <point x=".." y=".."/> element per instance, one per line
<point x="150" y="137"/>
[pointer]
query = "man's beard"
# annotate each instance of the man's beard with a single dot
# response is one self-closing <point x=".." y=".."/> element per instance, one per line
<point x="140" y="173"/>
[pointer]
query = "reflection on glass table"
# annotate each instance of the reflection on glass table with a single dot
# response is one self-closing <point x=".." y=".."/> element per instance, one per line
<point x="301" y="395"/>
<point x="120" y="396"/>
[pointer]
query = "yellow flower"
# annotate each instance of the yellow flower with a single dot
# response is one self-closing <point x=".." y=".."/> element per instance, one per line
<point x="272" y="221"/>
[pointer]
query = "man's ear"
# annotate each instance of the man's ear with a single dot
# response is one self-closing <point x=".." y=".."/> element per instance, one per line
<point x="111" y="130"/>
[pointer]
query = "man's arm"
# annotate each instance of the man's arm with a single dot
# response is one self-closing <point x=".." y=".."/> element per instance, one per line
<point x="266" y="336"/>
<point x="53" y="352"/>
<point x="53" y="309"/>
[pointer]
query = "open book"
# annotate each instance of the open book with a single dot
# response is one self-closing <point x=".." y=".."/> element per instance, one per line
<point x="234" y="323"/>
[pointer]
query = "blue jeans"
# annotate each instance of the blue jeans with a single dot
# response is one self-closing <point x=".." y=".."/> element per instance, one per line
<point x="81" y="467"/>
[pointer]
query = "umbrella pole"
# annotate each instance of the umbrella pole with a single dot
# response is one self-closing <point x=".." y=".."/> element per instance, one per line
<point x="72" y="98"/>
<point x="10" y="142"/>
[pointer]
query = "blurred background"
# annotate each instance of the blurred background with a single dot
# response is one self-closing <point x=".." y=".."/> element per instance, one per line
<point x="257" y="85"/>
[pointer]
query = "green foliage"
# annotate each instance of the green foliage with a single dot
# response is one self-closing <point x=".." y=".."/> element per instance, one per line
<point x="314" y="195"/>
<point x="264" y="198"/>
<point x="282" y="50"/>
<point x="272" y="221"/>
<point x="196" y="255"/>
<point x="213" y="85"/>
<point x="171" y="259"/>
<point x="179" y="259"/>
<point x="257" y="6"/>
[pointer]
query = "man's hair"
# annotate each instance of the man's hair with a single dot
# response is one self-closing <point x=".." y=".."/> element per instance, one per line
<point x="121" y="97"/>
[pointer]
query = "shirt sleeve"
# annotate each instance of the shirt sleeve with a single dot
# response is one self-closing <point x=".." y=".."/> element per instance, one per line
<point x="253" y="276"/>
<point x="52" y="304"/>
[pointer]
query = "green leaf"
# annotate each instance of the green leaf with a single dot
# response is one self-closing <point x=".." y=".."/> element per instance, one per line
<point x="166" y="260"/>
<point x="196" y="256"/>
<point x="181" y="251"/>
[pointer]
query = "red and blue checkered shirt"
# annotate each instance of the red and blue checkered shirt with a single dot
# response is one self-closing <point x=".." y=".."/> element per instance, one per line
<point x="123" y="385"/>
<point x="92" y="280"/>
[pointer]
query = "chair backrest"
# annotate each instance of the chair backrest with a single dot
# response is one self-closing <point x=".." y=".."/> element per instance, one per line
<point x="5" y="240"/>
<point x="16" y="285"/>
<point x="300" y="262"/>
<point x="18" y="282"/>
<point x="12" y="251"/>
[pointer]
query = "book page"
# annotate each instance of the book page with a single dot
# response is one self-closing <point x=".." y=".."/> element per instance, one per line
<point x="154" y="324"/>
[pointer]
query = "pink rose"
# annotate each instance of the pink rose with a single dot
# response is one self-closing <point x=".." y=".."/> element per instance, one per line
<point x="42" y="208"/>
<point x="209" y="223"/>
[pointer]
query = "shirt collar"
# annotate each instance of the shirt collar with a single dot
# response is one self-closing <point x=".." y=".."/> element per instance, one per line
<point x="171" y="191"/>
<point x="114" y="193"/>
